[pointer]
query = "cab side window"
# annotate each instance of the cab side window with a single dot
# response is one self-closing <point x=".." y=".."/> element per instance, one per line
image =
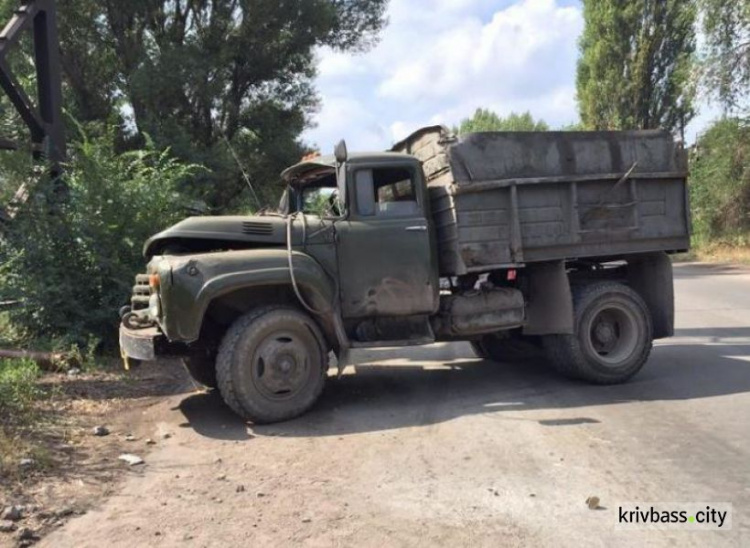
<point x="386" y="192"/>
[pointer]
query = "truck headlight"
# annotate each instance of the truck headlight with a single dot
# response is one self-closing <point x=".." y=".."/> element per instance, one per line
<point x="154" y="306"/>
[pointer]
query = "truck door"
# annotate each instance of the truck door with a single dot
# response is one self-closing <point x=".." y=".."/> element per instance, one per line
<point x="386" y="255"/>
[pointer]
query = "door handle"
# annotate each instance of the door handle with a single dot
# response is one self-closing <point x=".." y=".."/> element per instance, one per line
<point x="416" y="229"/>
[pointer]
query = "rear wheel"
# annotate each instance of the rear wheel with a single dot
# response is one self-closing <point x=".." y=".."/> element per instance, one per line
<point x="272" y="364"/>
<point x="613" y="335"/>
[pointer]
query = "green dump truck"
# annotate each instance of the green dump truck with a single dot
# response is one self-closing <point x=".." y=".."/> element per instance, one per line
<point x="554" y="240"/>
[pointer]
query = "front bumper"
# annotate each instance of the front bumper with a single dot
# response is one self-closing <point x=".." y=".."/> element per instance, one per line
<point x="141" y="344"/>
<point x="148" y="345"/>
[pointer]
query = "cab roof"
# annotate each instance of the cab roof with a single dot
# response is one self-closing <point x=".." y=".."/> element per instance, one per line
<point x="324" y="163"/>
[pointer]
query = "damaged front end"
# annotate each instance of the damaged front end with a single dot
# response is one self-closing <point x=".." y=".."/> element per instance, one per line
<point x="141" y="335"/>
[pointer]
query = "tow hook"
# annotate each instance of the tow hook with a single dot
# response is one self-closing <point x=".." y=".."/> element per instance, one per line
<point x="136" y="320"/>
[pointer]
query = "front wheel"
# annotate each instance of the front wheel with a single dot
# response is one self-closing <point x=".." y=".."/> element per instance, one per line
<point x="613" y="335"/>
<point x="202" y="368"/>
<point x="272" y="365"/>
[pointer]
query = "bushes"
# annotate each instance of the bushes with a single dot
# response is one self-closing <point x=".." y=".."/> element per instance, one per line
<point x="720" y="184"/>
<point x="71" y="259"/>
<point x="18" y="389"/>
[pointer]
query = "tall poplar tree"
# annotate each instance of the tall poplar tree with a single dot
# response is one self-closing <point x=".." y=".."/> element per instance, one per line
<point x="636" y="65"/>
<point x="726" y="24"/>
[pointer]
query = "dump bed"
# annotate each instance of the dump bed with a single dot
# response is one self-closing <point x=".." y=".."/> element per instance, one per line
<point x="507" y="199"/>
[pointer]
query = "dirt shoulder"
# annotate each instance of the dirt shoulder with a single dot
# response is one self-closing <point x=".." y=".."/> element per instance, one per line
<point x="60" y="467"/>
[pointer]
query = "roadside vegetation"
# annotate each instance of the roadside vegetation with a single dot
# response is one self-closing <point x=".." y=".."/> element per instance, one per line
<point x="19" y="392"/>
<point x="720" y="166"/>
<point x="71" y="255"/>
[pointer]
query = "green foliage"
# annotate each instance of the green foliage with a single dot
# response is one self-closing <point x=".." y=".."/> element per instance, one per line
<point x="487" y="120"/>
<point x="19" y="393"/>
<point x="71" y="260"/>
<point x="575" y="126"/>
<point x="8" y="334"/>
<point x="199" y="74"/>
<point x="726" y="24"/>
<point x="636" y="64"/>
<point x="720" y="182"/>
<point x="18" y="389"/>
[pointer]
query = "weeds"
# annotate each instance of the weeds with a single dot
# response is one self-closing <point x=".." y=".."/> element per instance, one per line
<point x="18" y="390"/>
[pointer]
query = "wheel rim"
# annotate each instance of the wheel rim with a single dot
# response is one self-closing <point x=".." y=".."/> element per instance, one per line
<point x="281" y="365"/>
<point x="612" y="334"/>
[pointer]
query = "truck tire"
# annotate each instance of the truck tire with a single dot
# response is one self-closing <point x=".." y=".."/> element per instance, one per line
<point x="202" y="369"/>
<point x="505" y="346"/>
<point x="613" y="335"/>
<point x="272" y="364"/>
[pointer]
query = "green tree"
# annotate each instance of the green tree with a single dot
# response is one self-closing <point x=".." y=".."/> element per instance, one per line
<point x="720" y="182"/>
<point x="72" y="263"/>
<point x="636" y="65"/>
<point x="487" y="120"/>
<point x="201" y="76"/>
<point x="726" y="24"/>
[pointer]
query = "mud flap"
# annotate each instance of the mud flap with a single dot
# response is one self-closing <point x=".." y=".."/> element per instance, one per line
<point x="550" y="310"/>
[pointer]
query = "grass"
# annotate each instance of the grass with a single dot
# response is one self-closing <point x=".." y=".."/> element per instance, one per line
<point x="19" y="392"/>
<point x="731" y="249"/>
<point x="18" y="389"/>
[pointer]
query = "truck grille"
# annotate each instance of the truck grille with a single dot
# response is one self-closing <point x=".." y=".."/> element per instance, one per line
<point x="141" y="293"/>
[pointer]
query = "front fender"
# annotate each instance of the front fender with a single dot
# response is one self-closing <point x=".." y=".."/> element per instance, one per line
<point x="197" y="280"/>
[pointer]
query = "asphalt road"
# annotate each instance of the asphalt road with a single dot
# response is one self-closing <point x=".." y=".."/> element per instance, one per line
<point x="431" y="447"/>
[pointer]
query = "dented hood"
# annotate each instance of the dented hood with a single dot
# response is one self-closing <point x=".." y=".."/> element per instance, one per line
<point x="206" y="234"/>
<point x="266" y="230"/>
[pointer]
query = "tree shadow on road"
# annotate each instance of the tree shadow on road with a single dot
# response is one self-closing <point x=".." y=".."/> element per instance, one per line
<point x="428" y="389"/>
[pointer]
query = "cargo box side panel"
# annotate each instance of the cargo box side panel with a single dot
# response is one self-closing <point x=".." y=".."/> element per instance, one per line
<point x="545" y="215"/>
<point x="662" y="209"/>
<point x="606" y="210"/>
<point x="504" y="199"/>
<point x="517" y="155"/>
<point x="473" y="230"/>
<point x="638" y="216"/>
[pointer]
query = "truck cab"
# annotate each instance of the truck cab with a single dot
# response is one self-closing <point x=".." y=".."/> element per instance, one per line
<point x="386" y="259"/>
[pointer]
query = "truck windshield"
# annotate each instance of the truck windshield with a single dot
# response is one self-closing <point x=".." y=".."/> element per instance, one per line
<point x="320" y="200"/>
<point x="316" y="196"/>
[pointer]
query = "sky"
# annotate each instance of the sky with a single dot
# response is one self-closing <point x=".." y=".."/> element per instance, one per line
<point x="439" y="60"/>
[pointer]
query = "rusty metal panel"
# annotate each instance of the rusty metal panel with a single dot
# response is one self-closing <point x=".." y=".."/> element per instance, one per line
<point x="503" y="199"/>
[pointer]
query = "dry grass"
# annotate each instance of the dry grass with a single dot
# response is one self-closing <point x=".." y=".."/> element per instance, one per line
<point x="717" y="253"/>
<point x="55" y="433"/>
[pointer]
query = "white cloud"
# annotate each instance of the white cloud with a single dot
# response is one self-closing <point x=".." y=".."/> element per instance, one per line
<point x="439" y="60"/>
<point x="527" y="48"/>
<point x="346" y="116"/>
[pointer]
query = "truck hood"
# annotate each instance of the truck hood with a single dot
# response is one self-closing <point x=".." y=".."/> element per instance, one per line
<point x="209" y="233"/>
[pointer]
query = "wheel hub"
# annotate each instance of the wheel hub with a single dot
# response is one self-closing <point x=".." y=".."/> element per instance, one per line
<point x="605" y="333"/>
<point x="287" y="364"/>
<point x="613" y="334"/>
<point x="280" y="366"/>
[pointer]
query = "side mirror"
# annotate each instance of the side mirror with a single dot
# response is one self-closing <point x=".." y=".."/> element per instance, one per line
<point x="341" y="153"/>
